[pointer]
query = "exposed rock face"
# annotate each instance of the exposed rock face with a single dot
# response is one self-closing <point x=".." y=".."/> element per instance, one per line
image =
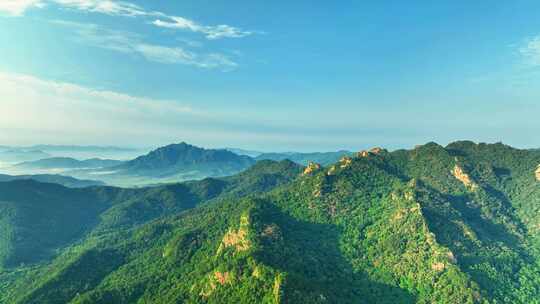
<point x="311" y="167"/>
<point x="451" y="257"/>
<point x="332" y="170"/>
<point x="377" y="150"/>
<point x="463" y="177"/>
<point x="537" y="173"/>
<point x="222" y="277"/>
<point x="438" y="266"/>
<point x="345" y="161"/>
<point x="215" y="279"/>
<point x="373" y="151"/>
<point x="237" y="238"/>
<point x="363" y="154"/>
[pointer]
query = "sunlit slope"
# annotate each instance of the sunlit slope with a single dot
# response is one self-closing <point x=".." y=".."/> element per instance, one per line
<point x="455" y="224"/>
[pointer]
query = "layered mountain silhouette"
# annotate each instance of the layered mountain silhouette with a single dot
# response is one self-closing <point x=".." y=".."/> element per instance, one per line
<point x="454" y="224"/>
<point x="20" y="155"/>
<point x="66" y="181"/>
<point x="185" y="158"/>
<point x="172" y="163"/>
<point x="67" y="163"/>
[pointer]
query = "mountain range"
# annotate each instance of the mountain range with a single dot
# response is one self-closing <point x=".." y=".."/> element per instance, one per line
<point x="172" y="163"/>
<point x="169" y="160"/>
<point x="454" y="224"/>
<point x="66" y="181"/>
<point x="67" y="163"/>
<point x="70" y="151"/>
<point x="16" y="156"/>
<point x="323" y="158"/>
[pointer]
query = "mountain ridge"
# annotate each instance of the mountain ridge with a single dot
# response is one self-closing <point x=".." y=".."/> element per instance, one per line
<point x="67" y="163"/>
<point x="66" y="181"/>
<point x="376" y="227"/>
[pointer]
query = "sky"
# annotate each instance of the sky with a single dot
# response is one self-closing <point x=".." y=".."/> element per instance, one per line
<point x="269" y="75"/>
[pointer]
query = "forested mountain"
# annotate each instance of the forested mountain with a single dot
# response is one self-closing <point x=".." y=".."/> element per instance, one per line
<point x="454" y="224"/>
<point x="66" y="181"/>
<point x="323" y="158"/>
<point x="37" y="219"/>
<point x="184" y="158"/>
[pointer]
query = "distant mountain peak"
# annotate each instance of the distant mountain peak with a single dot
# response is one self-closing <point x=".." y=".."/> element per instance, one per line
<point x="175" y="158"/>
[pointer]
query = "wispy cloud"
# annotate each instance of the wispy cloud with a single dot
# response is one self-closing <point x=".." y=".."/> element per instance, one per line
<point x="32" y="103"/>
<point x="210" y="32"/>
<point x="127" y="9"/>
<point x="35" y="110"/>
<point x="179" y="55"/>
<point x="131" y="43"/>
<point x="530" y="50"/>
<point x="18" y="7"/>
<point x="115" y="8"/>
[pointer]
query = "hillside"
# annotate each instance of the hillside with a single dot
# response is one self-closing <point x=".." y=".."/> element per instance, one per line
<point x="323" y="158"/>
<point x="39" y="218"/>
<point x="454" y="224"/>
<point x="65" y="181"/>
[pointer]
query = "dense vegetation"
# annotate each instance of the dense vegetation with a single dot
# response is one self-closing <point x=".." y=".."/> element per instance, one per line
<point x="66" y="181"/>
<point x="455" y="224"/>
<point x="323" y="158"/>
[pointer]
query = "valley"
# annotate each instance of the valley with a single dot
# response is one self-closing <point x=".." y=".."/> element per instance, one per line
<point x="454" y="224"/>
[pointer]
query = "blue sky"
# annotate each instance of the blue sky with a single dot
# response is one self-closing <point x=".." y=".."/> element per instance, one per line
<point x="279" y="75"/>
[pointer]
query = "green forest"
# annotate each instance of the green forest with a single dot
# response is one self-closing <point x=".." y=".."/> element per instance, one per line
<point x="454" y="224"/>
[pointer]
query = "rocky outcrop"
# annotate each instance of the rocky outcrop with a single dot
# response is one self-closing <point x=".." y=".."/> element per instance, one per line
<point x="363" y="154"/>
<point x="311" y="168"/>
<point x="537" y="173"/>
<point x="215" y="279"/>
<point x="372" y="151"/>
<point x="332" y="170"/>
<point x="222" y="277"/>
<point x="345" y="161"/>
<point x="237" y="238"/>
<point x="438" y="266"/>
<point x="377" y="150"/>
<point x="463" y="177"/>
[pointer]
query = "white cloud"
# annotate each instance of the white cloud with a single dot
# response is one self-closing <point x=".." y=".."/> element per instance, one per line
<point x="34" y="110"/>
<point x="18" y="7"/>
<point x="109" y="7"/>
<point x="69" y="94"/>
<point x="210" y="32"/>
<point x="127" y="9"/>
<point x="530" y="50"/>
<point x="171" y="55"/>
<point x="130" y="43"/>
<point x="31" y="105"/>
